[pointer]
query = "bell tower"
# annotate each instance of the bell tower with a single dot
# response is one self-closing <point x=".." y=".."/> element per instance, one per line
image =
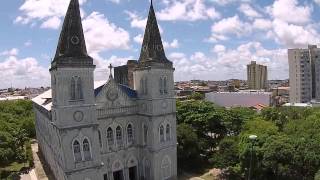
<point x="154" y="82"/>
<point x="73" y="102"/>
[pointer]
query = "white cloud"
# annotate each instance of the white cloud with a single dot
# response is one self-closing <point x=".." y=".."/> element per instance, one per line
<point x="22" y="72"/>
<point x="226" y="2"/>
<point x="290" y="11"/>
<point x="247" y="10"/>
<point x="11" y="52"/>
<point x="52" y="23"/>
<point x="102" y="35"/>
<point x="115" y="1"/>
<point x="173" y="44"/>
<point x="229" y="26"/>
<point x="262" y="24"/>
<point x="48" y="12"/>
<point x="187" y="10"/>
<point x="229" y="63"/>
<point x="317" y="1"/>
<point x="137" y="21"/>
<point x="138" y="39"/>
<point x="293" y="36"/>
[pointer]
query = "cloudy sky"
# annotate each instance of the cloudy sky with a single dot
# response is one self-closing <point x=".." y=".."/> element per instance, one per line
<point x="206" y="39"/>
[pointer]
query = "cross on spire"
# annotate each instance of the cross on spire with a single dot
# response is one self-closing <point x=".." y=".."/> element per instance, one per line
<point x="110" y="67"/>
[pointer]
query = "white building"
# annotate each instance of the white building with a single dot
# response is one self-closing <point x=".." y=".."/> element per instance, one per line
<point x="239" y="99"/>
<point x="108" y="131"/>
<point x="304" y="74"/>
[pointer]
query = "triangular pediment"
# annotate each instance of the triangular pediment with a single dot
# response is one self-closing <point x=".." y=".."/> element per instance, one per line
<point x="112" y="95"/>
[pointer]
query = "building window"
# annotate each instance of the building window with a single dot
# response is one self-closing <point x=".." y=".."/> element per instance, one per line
<point x="161" y="132"/>
<point x="100" y="141"/>
<point x="145" y="90"/>
<point x="130" y="134"/>
<point x="168" y="132"/>
<point x="119" y="136"/>
<point x="77" y="151"/>
<point x="165" y="88"/>
<point x="110" y="136"/>
<point x="76" y="88"/>
<point x="145" y="134"/>
<point x="86" y="150"/>
<point x="160" y="85"/>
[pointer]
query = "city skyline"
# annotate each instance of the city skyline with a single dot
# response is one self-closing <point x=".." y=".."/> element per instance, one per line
<point x="209" y="40"/>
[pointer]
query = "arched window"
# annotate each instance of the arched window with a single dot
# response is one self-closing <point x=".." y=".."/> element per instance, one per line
<point x="130" y="134"/>
<point x="100" y="141"/>
<point x="119" y="136"/>
<point x="77" y="151"/>
<point x="160" y="86"/>
<point x="165" y="88"/>
<point x="79" y="94"/>
<point x="110" y="136"/>
<point x="86" y="150"/>
<point x="161" y="132"/>
<point x="145" y="134"/>
<point x="168" y="132"/>
<point x="73" y="87"/>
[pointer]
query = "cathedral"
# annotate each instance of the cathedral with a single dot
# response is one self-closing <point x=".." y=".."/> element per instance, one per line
<point x="120" y="129"/>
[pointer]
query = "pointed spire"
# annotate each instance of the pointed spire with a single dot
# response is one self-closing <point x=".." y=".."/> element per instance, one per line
<point x="71" y="42"/>
<point x="152" y="48"/>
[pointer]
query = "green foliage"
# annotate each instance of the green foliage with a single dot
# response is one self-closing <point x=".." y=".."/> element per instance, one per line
<point x="196" y="96"/>
<point x="16" y="127"/>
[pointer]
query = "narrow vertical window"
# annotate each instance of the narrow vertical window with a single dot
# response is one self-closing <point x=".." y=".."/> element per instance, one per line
<point x="119" y="136"/>
<point x="110" y="136"/>
<point x="168" y="132"/>
<point x="79" y="89"/>
<point x="160" y="86"/>
<point x="145" y="134"/>
<point x="86" y="150"/>
<point x="130" y="134"/>
<point x="77" y="151"/>
<point x="142" y="86"/>
<point x="165" y="88"/>
<point x="100" y="141"/>
<point x="72" y="88"/>
<point x="161" y="132"/>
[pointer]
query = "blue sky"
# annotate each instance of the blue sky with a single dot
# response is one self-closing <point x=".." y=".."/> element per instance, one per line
<point x="206" y="39"/>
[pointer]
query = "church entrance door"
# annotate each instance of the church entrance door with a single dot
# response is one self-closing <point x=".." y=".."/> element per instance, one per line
<point x="105" y="177"/>
<point x="118" y="175"/>
<point x="133" y="173"/>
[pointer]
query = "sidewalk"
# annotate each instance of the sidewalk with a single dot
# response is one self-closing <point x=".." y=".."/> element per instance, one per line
<point x="38" y="173"/>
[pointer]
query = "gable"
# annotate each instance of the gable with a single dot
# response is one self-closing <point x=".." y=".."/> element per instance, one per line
<point x="112" y="95"/>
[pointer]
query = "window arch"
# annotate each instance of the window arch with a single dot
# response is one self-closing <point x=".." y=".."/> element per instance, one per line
<point x="145" y="134"/>
<point x="79" y="94"/>
<point x="168" y="135"/>
<point x="76" y="151"/>
<point x="161" y="132"/>
<point x="119" y="136"/>
<point x="110" y="136"/>
<point x="165" y="88"/>
<point x="76" y="88"/>
<point x="99" y="136"/>
<point x="160" y="85"/>
<point x="73" y="87"/>
<point x="86" y="149"/>
<point x="130" y="134"/>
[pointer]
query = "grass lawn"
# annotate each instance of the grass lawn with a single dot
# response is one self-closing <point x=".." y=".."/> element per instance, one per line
<point x="15" y="166"/>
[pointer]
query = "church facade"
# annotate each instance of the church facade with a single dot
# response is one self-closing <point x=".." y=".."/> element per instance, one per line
<point x="89" y="130"/>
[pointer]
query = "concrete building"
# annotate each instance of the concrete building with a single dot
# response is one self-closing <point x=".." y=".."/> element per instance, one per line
<point x="304" y="74"/>
<point x="257" y="76"/>
<point x="90" y="130"/>
<point x="240" y="99"/>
